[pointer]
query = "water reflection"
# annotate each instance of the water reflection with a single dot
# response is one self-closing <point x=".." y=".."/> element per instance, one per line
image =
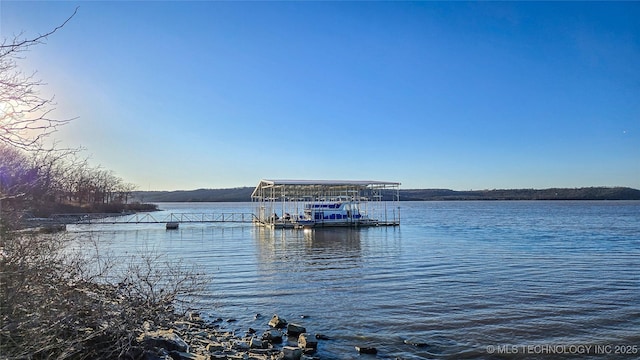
<point x="331" y="239"/>
<point x="308" y="250"/>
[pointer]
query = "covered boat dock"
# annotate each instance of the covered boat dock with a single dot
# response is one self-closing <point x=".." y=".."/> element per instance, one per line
<point x="326" y="203"/>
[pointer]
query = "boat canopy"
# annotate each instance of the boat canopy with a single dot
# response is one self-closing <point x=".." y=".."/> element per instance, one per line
<point x="318" y="203"/>
<point x="305" y="186"/>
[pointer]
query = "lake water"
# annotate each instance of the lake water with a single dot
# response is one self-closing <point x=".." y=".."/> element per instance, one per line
<point x="468" y="280"/>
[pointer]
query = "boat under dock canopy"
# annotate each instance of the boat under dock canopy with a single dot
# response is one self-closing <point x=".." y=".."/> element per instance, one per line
<point x="326" y="203"/>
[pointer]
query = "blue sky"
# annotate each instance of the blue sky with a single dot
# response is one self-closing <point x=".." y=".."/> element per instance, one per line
<point x="186" y="95"/>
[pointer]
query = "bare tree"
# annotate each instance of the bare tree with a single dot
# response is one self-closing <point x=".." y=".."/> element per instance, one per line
<point x="124" y="192"/>
<point x="25" y="116"/>
<point x="59" y="300"/>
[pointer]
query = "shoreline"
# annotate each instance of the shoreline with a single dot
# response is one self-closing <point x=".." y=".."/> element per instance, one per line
<point x="192" y="338"/>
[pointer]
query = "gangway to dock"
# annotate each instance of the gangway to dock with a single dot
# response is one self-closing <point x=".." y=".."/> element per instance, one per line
<point x="154" y="218"/>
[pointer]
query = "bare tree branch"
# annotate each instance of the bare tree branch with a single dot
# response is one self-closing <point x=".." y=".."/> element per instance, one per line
<point x="24" y="115"/>
<point x="22" y="45"/>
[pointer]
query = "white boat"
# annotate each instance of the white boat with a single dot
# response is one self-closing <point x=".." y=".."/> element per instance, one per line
<point x="333" y="213"/>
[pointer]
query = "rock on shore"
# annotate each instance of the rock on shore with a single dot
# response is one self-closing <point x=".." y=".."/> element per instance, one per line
<point x="196" y="339"/>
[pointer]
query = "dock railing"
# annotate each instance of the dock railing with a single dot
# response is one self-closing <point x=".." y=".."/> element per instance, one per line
<point x="155" y="218"/>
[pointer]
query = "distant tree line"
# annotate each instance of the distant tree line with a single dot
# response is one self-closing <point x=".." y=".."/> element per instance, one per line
<point x="244" y="194"/>
<point x="585" y="193"/>
<point x="199" y="195"/>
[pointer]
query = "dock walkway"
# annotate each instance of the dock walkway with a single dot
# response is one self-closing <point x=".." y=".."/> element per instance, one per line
<point x="154" y="218"/>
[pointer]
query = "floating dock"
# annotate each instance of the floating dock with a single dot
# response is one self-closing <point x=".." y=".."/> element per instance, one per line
<point x="326" y="203"/>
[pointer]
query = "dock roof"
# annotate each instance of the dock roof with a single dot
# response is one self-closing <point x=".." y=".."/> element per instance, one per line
<point x="271" y="183"/>
<point x="327" y="182"/>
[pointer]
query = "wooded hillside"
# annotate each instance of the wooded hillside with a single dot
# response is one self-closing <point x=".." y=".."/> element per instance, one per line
<point x="244" y="194"/>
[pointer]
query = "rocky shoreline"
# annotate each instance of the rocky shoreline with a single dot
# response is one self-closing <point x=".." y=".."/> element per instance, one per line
<point x="193" y="338"/>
